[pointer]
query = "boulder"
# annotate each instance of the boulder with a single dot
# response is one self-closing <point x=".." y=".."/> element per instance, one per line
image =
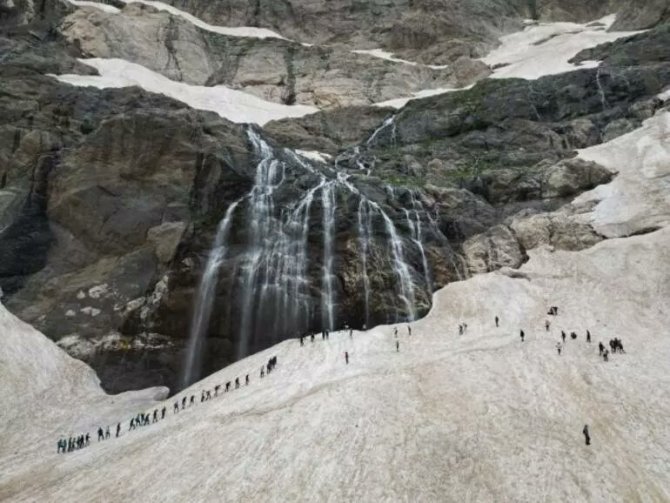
<point x="498" y="247"/>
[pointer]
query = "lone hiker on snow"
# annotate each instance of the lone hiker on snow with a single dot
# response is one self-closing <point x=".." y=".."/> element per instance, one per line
<point x="587" y="437"/>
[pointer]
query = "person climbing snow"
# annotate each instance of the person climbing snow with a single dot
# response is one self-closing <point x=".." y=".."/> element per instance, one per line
<point x="563" y="335"/>
<point x="601" y="348"/>
<point x="246" y="380"/>
<point x="397" y="346"/>
<point x="547" y="325"/>
<point x="101" y="434"/>
<point x="346" y="357"/>
<point x="522" y="335"/>
<point x="588" y="336"/>
<point x="118" y="429"/>
<point x="497" y="322"/>
<point x="587" y="437"/>
<point x="409" y="330"/>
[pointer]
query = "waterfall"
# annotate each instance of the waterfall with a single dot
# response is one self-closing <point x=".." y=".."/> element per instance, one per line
<point x="415" y="225"/>
<point x="364" y="228"/>
<point x="327" y="295"/>
<point x="388" y="122"/>
<point x="205" y="300"/>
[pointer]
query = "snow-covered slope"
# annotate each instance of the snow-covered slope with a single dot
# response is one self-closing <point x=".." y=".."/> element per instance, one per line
<point x="546" y="48"/>
<point x="478" y="417"/>
<point x="233" y="105"/>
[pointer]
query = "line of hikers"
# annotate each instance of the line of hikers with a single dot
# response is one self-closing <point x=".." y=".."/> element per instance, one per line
<point x="146" y="419"/>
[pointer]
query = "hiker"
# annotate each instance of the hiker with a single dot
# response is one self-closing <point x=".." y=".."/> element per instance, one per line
<point x="346" y="357"/>
<point x="175" y="407"/>
<point x="601" y="348"/>
<point x="547" y="325"/>
<point x="101" y="434"/>
<point x="606" y="355"/>
<point x="61" y="446"/>
<point x="395" y="331"/>
<point x="558" y="348"/>
<point x="246" y="383"/>
<point x="522" y="334"/>
<point x="155" y="416"/>
<point x="497" y="322"/>
<point x="237" y="382"/>
<point x="192" y="400"/>
<point x="227" y="386"/>
<point x="302" y="343"/>
<point x="351" y="333"/>
<point x="87" y="440"/>
<point x="397" y="346"/>
<point x="262" y="372"/>
<point x="216" y="389"/>
<point x="587" y="437"/>
<point x="573" y="335"/>
<point x="118" y="429"/>
<point x="208" y="395"/>
<point x="460" y="329"/>
<point x="107" y="433"/>
<point x="588" y="336"/>
<point x="132" y="424"/>
<point x="183" y="403"/>
<point x="563" y="336"/>
<point x="312" y="337"/>
<point x="409" y="330"/>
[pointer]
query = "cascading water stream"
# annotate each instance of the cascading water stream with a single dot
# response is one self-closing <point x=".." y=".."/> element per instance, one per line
<point x="205" y="300"/>
<point x="364" y="228"/>
<point x="328" y="301"/>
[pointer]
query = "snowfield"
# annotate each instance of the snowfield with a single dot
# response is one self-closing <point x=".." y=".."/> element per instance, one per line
<point x="388" y="56"/>
<point x="230" y="104"/>
<point x="480" y="417"/>
<point x="546" y="48"/>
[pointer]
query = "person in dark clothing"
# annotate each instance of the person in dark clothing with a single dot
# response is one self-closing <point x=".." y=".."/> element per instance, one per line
<point x="395" y="332"/>
<point x="351" y="333"/>
<point x="208" y="395"/>
<point x="460" y="329"/>
<point x="132" y="423"/>
<point x="237" y="382"/>
<point x="175" y="407"/>
<point x="563" y="335"/>
<point x="312" y="337"/>
<point x="558" y="348"/>
<point x="573" y="336"/>
<point x="547" y="325"/>
<point x="588" y="336"/>
<point x="61" y="446"/>
<point x="522" y="335"/>
<point x="606" y="355"/>
<point x="587" y="437"/>
<point x="262" y="372"/>
<point x="346" y="357"/>
<point x="183" y="403"/>
<point x="497" y="322"/>
<point x="192" y="400"/>
<point x="246" y="380"/>
<point x="216" y="389"/>
<point x="601" y="348"/>
<point x="409" y="330"/>
<point x="155" y="416"/>
<point x="397" y="346"/>
<point x="87" y="440"/>
<point x="101" y="434"/>
<point x="118" y="429"/>
<point x="107" y="435"/>
<point x="302" y="343"/>
<point x="227" y="386"/>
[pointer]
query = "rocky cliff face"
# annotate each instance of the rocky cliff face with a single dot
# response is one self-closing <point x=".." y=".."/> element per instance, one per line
<point x="111" y="199"/>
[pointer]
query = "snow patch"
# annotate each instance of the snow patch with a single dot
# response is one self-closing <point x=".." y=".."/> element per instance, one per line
<point x="545" y="48"/>
<point x="314" y="155"/>
<point x="382" y="54"/>
<point x="102" y="6"/>
<point x="97" y="291"/>
<point x="235" y="106"/>
<point x="91" y="311"/>
<point x="238" y="31"/>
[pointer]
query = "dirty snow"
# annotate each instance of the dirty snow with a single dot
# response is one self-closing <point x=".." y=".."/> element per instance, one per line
<point x="401" y="102"/>
<point x="546" y="48"/>
<point x="230" y="104"/>
<point x="314" y="155"/>
<point x="232" y="31"/>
